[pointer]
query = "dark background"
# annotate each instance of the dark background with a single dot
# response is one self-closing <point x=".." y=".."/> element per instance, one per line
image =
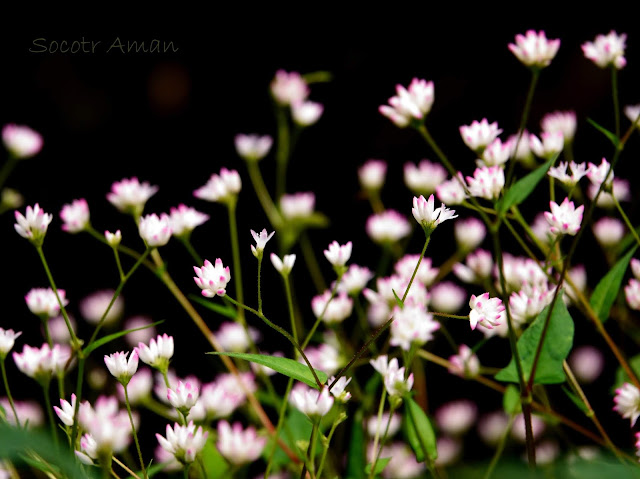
<point x="170" y="119"/>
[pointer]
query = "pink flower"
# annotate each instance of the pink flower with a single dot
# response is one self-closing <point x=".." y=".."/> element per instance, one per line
<point x="485" y="311"/>
<point x="306" y="113"/>
<point x="284" y="265"/>
<point x="456" y="417"/>
<point x="608" y="231"/>
<point x="113" y="239"/>
<point x="354" y="279"/>
<point x="41" y="363"/>
<point x="289" y="88"/>
<point x="424" y="178"/>
<point x="338" y="389"/>
<point x="184" y="442"/>
<point x="478" y="267"/>
<point x="534" y="50"/>
<point x="465" y="363"/>
<point x="184" y="396"/>
<point x="130" y="196"/>
<point x="75" y="216"/>
<point x="21" y="141"/>
<point x="632" y="293"/>
<point x="578" y="170"/>
<point x="452" y="191"/>
<point x="337" y="310"/>
<point x="312" y="402"/>
<point x="66" y="411"/>
<point x="627" y="401"/>
<point x="598" y="173"/>
<point x="155" y="231"/>
<point x="94" y="307"/>
<point x="487" y="182"/>
<point x="479" y="134"/>
<point x="158" y="353"/>
<point x="606" y="50"/>
<point x="427" y="215"/>
<point x="587" y="363"/>
<point x="212" y="279"/>
<point x="564" y="218"/>
<point x="7" y="340"/>
<point x="496" y="153"/>
<point x="412" y="325"/>
<point x="552" y="143"/>
<point x="238" y="445"/>
<point x="43" y="301"/>
<point x="469" y="233"/>
<point x="447" y="297"/>
<point x="261" y="241"/>
<point x="235" y="338"/>
<point x="184" y="219"/>
<point x="337" y="254"/>
<point x="34" y="226"/>
<point x="387" y="227"/>
<point x="253" y="147"/>
<point x="562" y="121"/>
<point x="409" y="104"/>
<point x="372" y="174"/>
<point x="297" y="205"/>
<point x="221" y="188"/>
<point x="121" y="368"/>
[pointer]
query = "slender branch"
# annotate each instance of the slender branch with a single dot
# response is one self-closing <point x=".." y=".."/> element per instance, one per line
<point x="8" y="390"/>
<point x="133" y="429"/>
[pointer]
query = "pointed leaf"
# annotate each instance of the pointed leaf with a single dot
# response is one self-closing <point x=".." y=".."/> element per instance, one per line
<point x="398" y="300"/>
<point x="610" y="135"/>
<point x="555" y="349"/>
<point x="380" y="465"/>
<point x="607" y="289"/>
<point x="511" y="400"/>
<point x="356" y="451"/>
<point x="215" y="465"/>
<point x="285" y="366"/>
<point x="521" y="189"/>
<point x="218" y="308"/>
<point x="107" y="339"/>
<point x="419" y="431"/>
<point x="576" y="400"/>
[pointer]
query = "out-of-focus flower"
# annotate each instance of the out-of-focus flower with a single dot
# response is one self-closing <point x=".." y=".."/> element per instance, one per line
<point x="261" y="241"/>
<point x="338" y="389"/>
<point x="428" y="216"/>
<point x="142" y="335"/>
<point x="184" y="219"/>
<point x="7" y="340"/>
<point x="496" y="153"/>
<point x="563" y="121"/>
<point x="184" y="396"/>
<point x="222" y="188"/>
<point x="632" y="112"/>
<point x="184" y="442"/>
<point x="387" y="227"/>
<point x="478" y="267"/>
<point x="113" y="239"/>
<point x="534" y="49"/>
<point x="487" y="182"/>
<point x="34" y="226"/>
<point x="21" y="141"/>
<point x="120" y="367"/>
<point x="619" y="189"/>
<point x="66" y="411"/>
<point x="447" y="297"/>
<point x="564" y="218"/>
<point x="407" y="264"/>
<point x="372" y="175"/>
<point x="297" y="205"/>
<point x="75" y="216"/>
<point x="632" y="293"/>
<point x="139" y="387"/>
<point x="233" y="337"/>
<point x="608" y="231"/>
<point x="485" y="311"/>
<point x="527" y="303"/>
<point x="456" y="417"/>
<point x="409" y="104"/>
<point x="212" y="279"/>
<point x="424" y="178"/>
<point x="284" y="265"/>
<point x="253" y="147"/>
<point x="289" y="87"/>
<point x="479" y="134"/>
<point x="338" y="254"/>
<point x="155" y="231"/>
<point x="449" y="450"/>
<point x="635" y="267"/>
<point x="354" y="279"/>
<point x="465" y="363"/>
<point x="337" y="310"/>
<point x="452" y="191"/>
<point x="130" y="196"/>
<point x="324" y="357"/>
<point x="518" y="428"/>
<point x="469" y="233"/>
<point x="412" y="325"/>
<point x="238" y="445"/>
<point x="598" y="173"/>
<point x="492" y="427"/>
<point x="312" y="402"/>
<point x="378" y="427"/>
<point x="29" y="413"/>
<point x="578" y="170"/>
<point x="41" y="363"/>
<point x="10" y="199"/>
<point x="402" y="463"/>
<point x="43" y="301"/>
<point x="158" y="353"/>
<point x="306" y="113"/>
<point x="549" y="143"/>
<point x="627" y="401"/>
<point x="94" y="306"/>
<point x="394" y="380"/>
<point x="606" y="50"/>
<point x="587" y="363"/>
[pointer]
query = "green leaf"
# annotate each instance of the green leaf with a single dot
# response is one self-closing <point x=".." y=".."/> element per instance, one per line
<point x="380" y="465"/>
<point x="607" y="289"/>
<point x="107" y="339"/>
<point x="218" y="308"/>
<point x="555" y="349"/>
<point x="320" y="76"/>
<point x="398" y="300"/>
<point x="296" y="428"/>
<point x="285" y="366"/>
<point x="610" y="135"/>
<point x="419" y="431"/>
<point x="356" y="450"/>
<point x="511" y="400"/>
<point x="215" y="465"/>
<point x="622" y="377"/>
<point x="521" y="189"/>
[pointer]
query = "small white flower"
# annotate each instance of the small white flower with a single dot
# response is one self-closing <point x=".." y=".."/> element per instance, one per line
<point x="598" y="173"/>
<point x="456" y="417"/>
<point x="409" y="104"/>
<point x="338" y="309"/>
<point x="183" y="220"/>
<point x="120" y="367"/>
<point x="43" y="301"/>
<point x="496" y="153"/>
<point x="338" y="389"/>
<point x="563" y="121"/>
<point x="372" y="174"/>
<point x="130" y="196"/>
<point x="487" y="182"/>
<point x="235" y="338"/>
<point x="41" y="363"/>
<point x="212" y="279"/>
<point x="7" y="340"/>
<point x="297" y="205"/>
<point x="534" y="49"/>
<point x="412" y="325"/>
<point x="606" y="50"/>
<point x="289" y="87"/>
<point x="578" y="170"/>
<point x="465" y="363"/>
<point x="485" y="311"/>
<point x="627" y="401"/>
<point x="222" y="188"/>
<point x="469" y="233"/>
<point x="261" y="241"/>
<point x="552" y="142"/>
<point x="184" y="396"/>
<point x="75" y="216"/>
<point x="113" y="239"/>
<point x="253" y="147"/>
<point x="479" y="134"/>
<point x="285" y="265"/>
<point x="306" y="113"/>
<point x="66" y="411"/>
<point x="354" y="279"/>
<point x="154" y="230"/>
<point x="424" y="178"/>
<point x="238" y="445"/>
<point x="452" y="191"/>
<point x="21" y="141"/>
<point x="632" y="112"/>
<point x="564" y="218"/>
<point x="94" y="306"/>
<point x="337" y="254"/>
<point x="34" y="226"/>
<point x="609" y="231"/>
<point x="387" y="227"/>
<point x="158" y="353"/>
<point x="395" y="382"/>
<point x="428" y="216"/>
<point x="184" y="442"/>
<point x="312" y="402"/>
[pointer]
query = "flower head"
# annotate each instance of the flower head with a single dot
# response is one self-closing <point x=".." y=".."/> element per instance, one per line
<point x="253" y="147"/>
<point x="222" y="188"/>
<point x="534" y="50"/>
<point x="297" y="205"/>
<point x="338" y="254"/>
<point x="496" y="153"/>
<point x="238" y="445"/>
<point x="43" y="301"/>
<point x="184" y="442"/>
<point x="335" y="309"/>
<point x="113" y="239"/>
<point x="598" y="173"/>
<point x="552" y="143"/>
<point x="21" y="141"/>
<point x="261" y="241"/>
<point x="338" y="389"/>
<point x="469" y="233"/>
<point x="212" y="279"/>
<point x="627" y="401"/>
<point x="487" y="182"/>
<point x="387" y="227"/>
<point x="155" y="231"/>
<point x="632" y="112"/>
<point x="284" y="265"/>
<point x="158" y="353"/>
<point x="7" y="340"/>
<point x="465" y="363"/>
<point x="578" y="170"/>
<point x="412" y="325"/>
<point x="487" y="312"/>
<point x="479" y="134"/>
<point x="34" y="226"/>
<point x="409" y="104"/>
<point x="94" y="306"/>
<point x="424" y="178"/>
<point x="41" y="363"/>
<point x="452" y="191"/>
<point x="428" y="216"/>
<point x="562" y="121"/>
<point x="289" y="87"/>
<point x="183" y="397"/>
<point x="395" y="382"/>
<point x="120" y="367"/>
<point x="184" y="219"/>
<point x="66" y="411"/>
<point x="306" y="113"/>
<point x="606" y="50"/>
<point x="130" y="196"/>
<point x="75" y="216"/>
<point x="235" y="338"/>
<point x="372" y="175"/>
<point x="312" y="402"/>
<point x="564" y="218"/>
<point x="354" y="279"/>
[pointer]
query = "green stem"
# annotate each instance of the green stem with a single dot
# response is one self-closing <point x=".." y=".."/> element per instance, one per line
<point x="237" y="268"/>
<point x="281" y="416"/>
<point x="283" y="332"/>
<point x="133" y="429"/>
<point x="378" y="449"/>
<point x="186" y="241"/>
<point x="282" y="154"/>
<point x="263" y="195"/>
<point x="326" y="447"/>
<point x="312" y="448"/>
<point x="118" y="263"/>
<point x="6" y="388"/>
<point x="626" y="218"/>
<point x="47" y="402"/>
<point x="7" y="168"/>
<point x="312" y="263"/>
<point x="376" y="437"/>
<point x="292" y="313"/>
<point x="500" y="448"/>
<point x="447" y="315"/>
<point x="260" y="284"/>
<point x="334" y="290"/>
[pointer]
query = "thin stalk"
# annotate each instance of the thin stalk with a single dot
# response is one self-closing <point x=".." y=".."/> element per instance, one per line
<point x="625" y="218"/>
<point x="499" y="449"/>
<point x="260" y="283"/>
<point x="281" y="415"/>
<point x="447" y="315"/>
<point x="6" y="388"/>
<point x="376" y="439"/>
<point x="282" y="153"/>
<point x="237" y="267"/>
<point x="326" y="447"/>
<point x="74" y="429"/>
<point x="283" y="332"/>
<point x="292" y="313"/>
<point x="116" y="255"/>
<point x="124" y="466"/>
<point x="263" y="195"/>
<point x="47" y="401"/>
<point x="133" y="429"/>
<point x="312" y="263"/>
<point x="334" y="290"/>
<point x="312" y="449"/>
<point x="375" y="201"/>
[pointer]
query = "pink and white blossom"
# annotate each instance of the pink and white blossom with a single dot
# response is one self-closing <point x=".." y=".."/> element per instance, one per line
<point x="253" y="147"/>
<point x="394" y="380"/>
<point x="409" y="104"/>
<point x="627" y="401"/>
<point x="562" y="121"/>
<point x="425" y="177"/>
<point x="30" y="414"/>
<point x="120" y="367"/>
<point x="469" y="233"/>
<point x="306" y="113"/>
<point x="7" y="340"/>
<point x="184" y="219"/>
<point x="158" y="353"/>
<point x="43" y="301"/>
<point x="477" y="267"/>
<point x="297" y="205"/>
<point x="355" y="279"/>
<point x="284" y="265"/>
<point x="222" y="188"/>
<point x="598" y="173"/>
<point x="130" y="196"/>
<point x="632" y="112"/>
<point x="549" y="144"/>
<point x="372" y="174"/>
<point x="335" y="309"/>
<point x="456" y="417"/>
<point x="75" y="216"/>
<point x="427" y="215"/>
<point x="632" y="294"/>
<point x="212" y="279"/>
<point x="587" y="363"/>
<point x="312" y="402"/>
<point x="324" y="357"/>
<point x="496" y="153"/>
<point x="412" y="325"/>
<point x="113" y="239"/>
<point x="578" y="170"/>
<point x="261" y="241"/>
<point x="338" y="389"/>
<point x="534" y="49"/>
<point x="527" y="303"/>
<point x="338" y="254"/>
<point x="289" y="87"/>
<point x="485" y="311"/>
<point x="235" y="338"/>
<point x="487" y="182"/>
<point x="609" y="231"/>
<point x="479" y="134"/>
<point x="426" y="273"/>
<point x="620" y="189"/>
<point x="41" y="363"/>
<point x="155" y="230"/>
<point x="184" y="396"/>
<point x="375" y="427"/>
<point x="387" y="227"/>
<point x="238" y="445"/>
<point x="21" y="141"/>
<point x="447" y="297"/>
<point x="34" y="226"/>
<point x="184" y="442"/>
<point x="564" y="218"/>
<point x="452" y="192"/>
<point x="139" y="387"/>
<point x="606" y="50"/>
<point x="465" y="363"/>
<point x="66" y="411"/>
